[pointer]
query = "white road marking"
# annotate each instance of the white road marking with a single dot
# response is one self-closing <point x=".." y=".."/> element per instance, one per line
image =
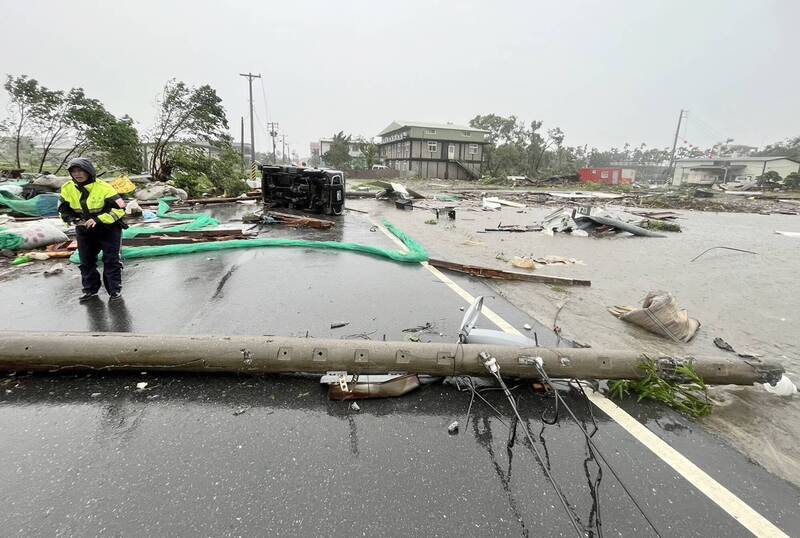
<point x="730" y="503"/>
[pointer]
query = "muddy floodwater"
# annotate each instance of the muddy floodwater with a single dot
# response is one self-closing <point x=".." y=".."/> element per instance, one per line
<point x="750" y="300"/>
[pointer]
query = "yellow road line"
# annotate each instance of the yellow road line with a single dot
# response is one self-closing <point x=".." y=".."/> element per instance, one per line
<point x="730" y="503"/>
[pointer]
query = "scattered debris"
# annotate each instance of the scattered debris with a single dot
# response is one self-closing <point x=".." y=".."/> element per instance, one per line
<point x="241" y="411"/>
<point x="371" y="386"/>
<point x="659" y="314"/>
<point x="723" y="345"/>
<point x="582" y="220"/>
<point x="523" y="262"/>
<point x="788" y="234"/>
<point x="452" y="429"/>
<point x="527" y="327"/>
<point x="489" y="206"/>
<point x="355" y="407"/>
<point x="141" y="385"/>
<point x="486" y="272"/>
<point x="495" y="200"/>
<point x="687" y="394"/>
<point x="515" y="228"/>
<point x="431" y="221"/>
<point x="428" y="327"/>
<point x="54" y="270"/>
<point x="340" y="325"/>
<point x="586" y="195"/>
<point x="557" y="260"/>
<point x="726" y="248"/>
<point x="784" y="387"/>
<point x="660" y="225"/>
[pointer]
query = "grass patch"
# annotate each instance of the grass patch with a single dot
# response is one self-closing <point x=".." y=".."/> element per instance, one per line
<point x="431" y="221"/>
<point x="559" y="289"/>
<point x="689" y="396"/>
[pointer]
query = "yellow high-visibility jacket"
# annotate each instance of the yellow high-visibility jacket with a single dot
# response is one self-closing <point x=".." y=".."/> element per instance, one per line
<point x="94" y="199"/>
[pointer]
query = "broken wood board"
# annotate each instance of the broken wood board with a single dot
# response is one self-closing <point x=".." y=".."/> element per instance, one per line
<point x="498" y="274"/>
<point x="301" y="221"/>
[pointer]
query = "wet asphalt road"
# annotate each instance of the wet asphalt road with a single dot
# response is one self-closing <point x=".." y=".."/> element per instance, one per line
<point x="221" y="455"/>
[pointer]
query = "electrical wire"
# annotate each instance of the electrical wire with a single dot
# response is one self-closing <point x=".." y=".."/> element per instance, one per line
<point x="491" y="365"/>
<point x="589" y="440"/>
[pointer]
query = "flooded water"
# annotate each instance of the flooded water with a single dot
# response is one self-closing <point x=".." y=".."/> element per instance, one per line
<point x="751" y="301"/>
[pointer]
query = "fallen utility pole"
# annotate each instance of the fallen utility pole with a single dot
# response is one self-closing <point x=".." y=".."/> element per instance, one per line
<point x="499" y="274"/>
<point x="76" y="351"/>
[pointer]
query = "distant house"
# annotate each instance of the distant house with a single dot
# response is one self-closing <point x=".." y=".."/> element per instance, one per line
<point x="433" y="150"/>
<point x="707" y="171"/>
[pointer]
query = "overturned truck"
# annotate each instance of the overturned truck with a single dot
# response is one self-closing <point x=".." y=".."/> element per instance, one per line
<point x="307" y="189"/>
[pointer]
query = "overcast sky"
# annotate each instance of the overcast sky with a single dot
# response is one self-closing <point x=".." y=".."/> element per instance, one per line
<point x="606" y="72"/>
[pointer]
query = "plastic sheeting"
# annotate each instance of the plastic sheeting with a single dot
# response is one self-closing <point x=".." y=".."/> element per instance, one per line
<point x="42" y="205"/>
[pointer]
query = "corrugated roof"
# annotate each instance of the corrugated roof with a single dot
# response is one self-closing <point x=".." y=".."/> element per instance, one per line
<point x="748" y="159"/>
<point x="399" y="124"/>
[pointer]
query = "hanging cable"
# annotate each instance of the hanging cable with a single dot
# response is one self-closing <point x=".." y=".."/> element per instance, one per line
<point x="539" y="364"/>
<point x="490" y="363"/>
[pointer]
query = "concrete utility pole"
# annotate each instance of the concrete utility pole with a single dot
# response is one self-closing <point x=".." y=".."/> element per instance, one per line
<point x="250" y="77"/>
<point x="273" y="132"/>
<point x="241" y="143"/>
<point x="675" y="143"/>
<point x="74" y="351"/>
<point x="283" y="148"/>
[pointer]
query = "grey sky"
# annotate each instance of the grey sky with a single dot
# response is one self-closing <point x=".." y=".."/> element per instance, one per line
<point x="605" y="72"/>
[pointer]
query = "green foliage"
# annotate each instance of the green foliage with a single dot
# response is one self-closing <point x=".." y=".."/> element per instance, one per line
<point x="27" y="102"/>
<point x="55" y="117"/>
<point x="792" y="181"/>
<point x="769" y="177"/>
<point x="185" y="114"/>
<point x="689" y="397"/>
<point x="197" y="173"/>
<point x="339" y="155"/>
<point x="370" y="152"/>
<point x="117" y="142"/>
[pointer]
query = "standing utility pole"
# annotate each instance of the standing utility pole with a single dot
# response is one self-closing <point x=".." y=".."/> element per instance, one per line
<point x="241" y="142"/>
<point x="250" y="77"/>
<point x="675" y="143"/>
<point x="283" y="147"/>
<point x="273" y="132"/>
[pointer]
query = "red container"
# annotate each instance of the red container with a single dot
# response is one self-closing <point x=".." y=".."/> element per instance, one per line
<point x="607" y="176"/>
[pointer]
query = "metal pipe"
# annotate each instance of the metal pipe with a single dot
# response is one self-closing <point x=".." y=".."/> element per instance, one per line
<point x="58" y="351"/>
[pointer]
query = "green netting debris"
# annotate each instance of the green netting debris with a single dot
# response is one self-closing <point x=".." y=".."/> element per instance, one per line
<point x="9" y="240"/>
<point x="42" y="205"/>
<point x="416" y="253"/>
<point x="199" y="221"/>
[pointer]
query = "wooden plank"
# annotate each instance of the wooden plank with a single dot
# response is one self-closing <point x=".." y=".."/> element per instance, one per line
<point x="486" y="272"/>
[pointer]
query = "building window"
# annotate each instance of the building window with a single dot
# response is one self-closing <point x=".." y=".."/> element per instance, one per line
<point x="430" y="131"/>
<point x="467" y="133"/>
<point x="433" y="147"/>
<point x="473" y="149"/>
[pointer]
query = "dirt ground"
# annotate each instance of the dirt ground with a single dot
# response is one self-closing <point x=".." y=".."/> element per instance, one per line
<point x="750" y="300"/>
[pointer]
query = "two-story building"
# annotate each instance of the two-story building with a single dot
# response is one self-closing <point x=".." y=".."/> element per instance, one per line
<point x="433" y="150"/>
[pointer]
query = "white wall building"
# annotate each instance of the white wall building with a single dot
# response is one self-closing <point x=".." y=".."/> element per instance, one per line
<point x="724" y="169"/>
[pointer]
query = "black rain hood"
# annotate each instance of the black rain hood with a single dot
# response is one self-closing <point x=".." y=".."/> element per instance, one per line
<point x="85" y="165"/>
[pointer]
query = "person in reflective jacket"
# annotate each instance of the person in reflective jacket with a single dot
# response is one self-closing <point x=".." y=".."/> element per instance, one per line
<point x="98" y="212"/>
